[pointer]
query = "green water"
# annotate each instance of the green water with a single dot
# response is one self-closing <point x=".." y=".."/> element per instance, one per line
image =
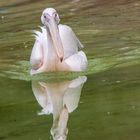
<point x="109" y="106"/>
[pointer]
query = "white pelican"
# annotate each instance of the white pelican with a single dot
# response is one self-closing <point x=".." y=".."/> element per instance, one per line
<point x="58" y="99"/>
<point x="56" y="47"/>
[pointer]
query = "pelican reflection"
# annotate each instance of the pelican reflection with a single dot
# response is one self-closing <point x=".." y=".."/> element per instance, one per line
<point x="58" y="99"/>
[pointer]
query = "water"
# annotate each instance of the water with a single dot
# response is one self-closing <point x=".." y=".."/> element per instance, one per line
<point x="108" y="106"/>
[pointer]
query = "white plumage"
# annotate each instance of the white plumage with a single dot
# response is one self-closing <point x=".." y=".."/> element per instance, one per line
<point x="56" y="47"/>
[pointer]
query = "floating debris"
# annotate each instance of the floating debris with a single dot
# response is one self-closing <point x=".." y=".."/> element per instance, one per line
<point x="133" y="107"/>
<point x="25" y="46"/>
<point x="74" y="1"/>
<point x="108" y="113"/>
<point x="2" y="17"/>
<point x="118" y="81"/>
<point x="136" y="4"/>
<point x="73" y="10"/>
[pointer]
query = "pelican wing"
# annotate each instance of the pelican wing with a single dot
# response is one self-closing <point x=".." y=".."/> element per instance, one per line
<point x="69" y="40"/>
<point x="37" y="51"/>
<point x="36" y="55"/>
<point x="77" y="62"/>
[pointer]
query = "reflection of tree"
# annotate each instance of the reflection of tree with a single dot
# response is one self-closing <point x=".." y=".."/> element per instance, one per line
<point x="60" y="99"/>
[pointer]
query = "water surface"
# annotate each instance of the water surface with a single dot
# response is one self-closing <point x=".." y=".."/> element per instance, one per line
<point x="109" y="106"/>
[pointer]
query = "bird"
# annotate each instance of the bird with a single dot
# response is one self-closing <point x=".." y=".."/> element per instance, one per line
<point x="56" y="47"/>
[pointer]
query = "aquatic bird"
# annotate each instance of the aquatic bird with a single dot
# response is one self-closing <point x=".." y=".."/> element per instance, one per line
<point x="56" y="47"/>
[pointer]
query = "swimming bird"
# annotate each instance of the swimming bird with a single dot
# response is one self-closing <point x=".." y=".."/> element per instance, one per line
<point x="56" y="47"/>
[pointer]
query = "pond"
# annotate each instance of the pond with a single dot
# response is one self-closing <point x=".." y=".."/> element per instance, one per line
<point x="101" y="103"/>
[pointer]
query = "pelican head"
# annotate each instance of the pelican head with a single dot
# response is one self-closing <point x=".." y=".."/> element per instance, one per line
<point x="50" y="19"/>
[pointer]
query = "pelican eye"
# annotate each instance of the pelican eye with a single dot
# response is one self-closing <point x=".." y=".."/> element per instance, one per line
<point x="46" y="18"/>
<point x="56" y="17"/>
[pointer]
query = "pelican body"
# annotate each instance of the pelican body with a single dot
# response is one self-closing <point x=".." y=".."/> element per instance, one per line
<point x="56" y="47"/>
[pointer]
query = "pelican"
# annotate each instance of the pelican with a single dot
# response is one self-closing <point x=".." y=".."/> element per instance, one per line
<point x="56" y="47"/>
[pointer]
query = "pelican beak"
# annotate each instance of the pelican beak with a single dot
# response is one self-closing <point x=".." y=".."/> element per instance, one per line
<point x="54" y="31"/>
